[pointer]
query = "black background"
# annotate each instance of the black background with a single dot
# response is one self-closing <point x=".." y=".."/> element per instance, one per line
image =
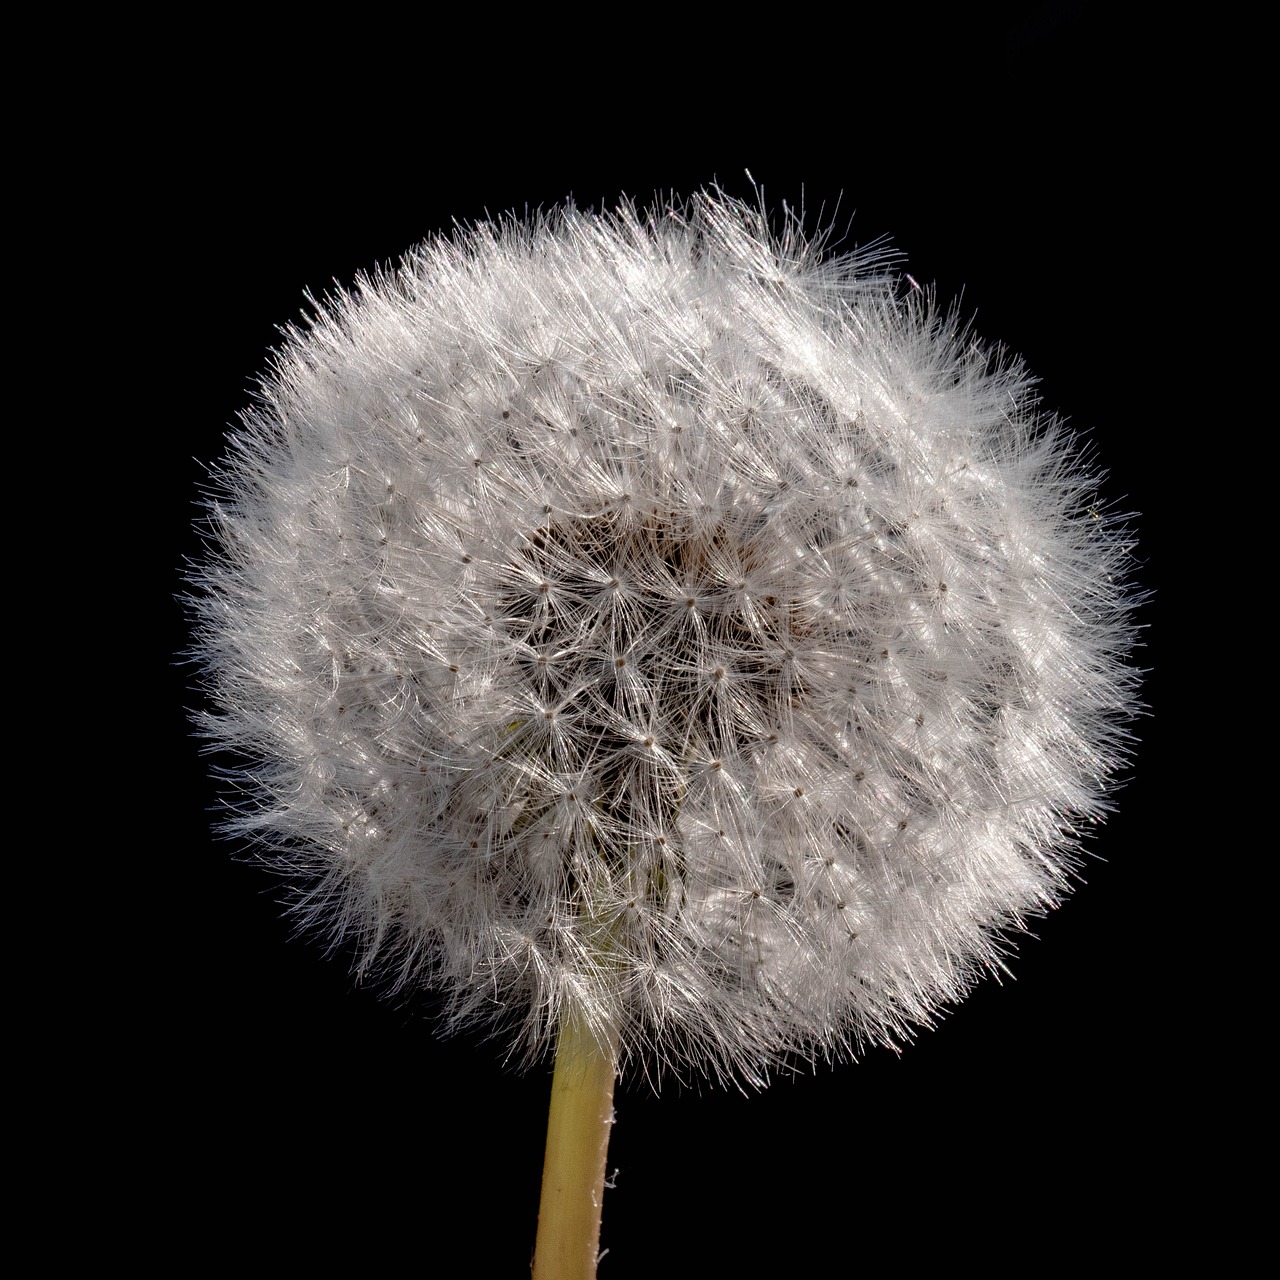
<point x="294" y="1117"/>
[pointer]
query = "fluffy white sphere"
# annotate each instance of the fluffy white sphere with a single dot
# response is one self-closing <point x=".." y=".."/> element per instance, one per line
<point x="640" y="616"/>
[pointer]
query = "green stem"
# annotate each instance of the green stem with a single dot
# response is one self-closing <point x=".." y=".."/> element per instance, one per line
<point x="577" y="1145"/>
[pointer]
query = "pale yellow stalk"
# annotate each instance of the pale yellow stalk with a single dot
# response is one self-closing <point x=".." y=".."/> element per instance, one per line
<point x="577" y="1146"/>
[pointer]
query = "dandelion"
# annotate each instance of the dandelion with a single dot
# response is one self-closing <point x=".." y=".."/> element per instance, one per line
<point x="672" y="646"/>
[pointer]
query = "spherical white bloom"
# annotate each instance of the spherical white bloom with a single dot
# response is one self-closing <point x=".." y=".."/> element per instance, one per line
<point x="644" y="618"/>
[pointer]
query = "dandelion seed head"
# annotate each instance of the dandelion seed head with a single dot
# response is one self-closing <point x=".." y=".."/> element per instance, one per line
<point x="642" y="617"/>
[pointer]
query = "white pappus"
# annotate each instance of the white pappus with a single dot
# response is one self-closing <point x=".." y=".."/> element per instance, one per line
<point x="641" y="617"/>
